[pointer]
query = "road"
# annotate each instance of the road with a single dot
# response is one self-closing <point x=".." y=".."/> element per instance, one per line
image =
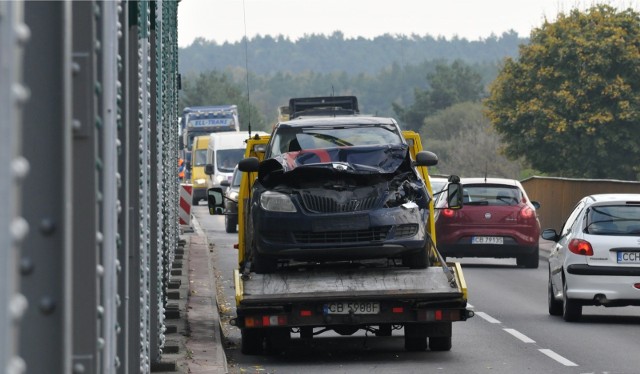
<point x="511" y="332"/>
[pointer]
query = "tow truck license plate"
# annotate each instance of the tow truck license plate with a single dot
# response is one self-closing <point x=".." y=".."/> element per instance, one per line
<point x="487" y="240"/>
<point x="364" y="307"/>
<point x="628" y="257"/>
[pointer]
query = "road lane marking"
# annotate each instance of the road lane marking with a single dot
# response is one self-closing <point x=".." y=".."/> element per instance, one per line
<point x="519" y="335"/>
<point x="557" y="357"/>
<point x="487" y="317"/>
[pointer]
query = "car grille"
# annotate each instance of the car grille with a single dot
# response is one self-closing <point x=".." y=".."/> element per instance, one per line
<point x="406" y="230"/>
<point x="323" y="204"/>
<point x="370" y="235"/>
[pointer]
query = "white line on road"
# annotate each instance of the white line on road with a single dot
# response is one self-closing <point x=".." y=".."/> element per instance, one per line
<point x="557" y="357"/>
<point x="487" y="317"/>
<point x="519" y="335"/>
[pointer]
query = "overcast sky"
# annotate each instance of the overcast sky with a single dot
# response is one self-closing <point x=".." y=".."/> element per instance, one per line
<point x="223" y="20"/>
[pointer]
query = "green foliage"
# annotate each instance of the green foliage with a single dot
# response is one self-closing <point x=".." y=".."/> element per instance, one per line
<point x="215" y="88"/>
<point x="571" y="103"/>
<point x="324" y="54"/>
<point x="465" y="143"/>
<point x="448" y="85"/>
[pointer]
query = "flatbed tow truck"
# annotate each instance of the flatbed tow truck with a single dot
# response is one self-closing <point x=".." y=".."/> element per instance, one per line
<point x="311" y="297"/>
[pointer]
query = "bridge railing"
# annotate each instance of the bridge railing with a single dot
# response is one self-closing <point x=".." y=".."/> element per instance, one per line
<point x="89" y="146"/>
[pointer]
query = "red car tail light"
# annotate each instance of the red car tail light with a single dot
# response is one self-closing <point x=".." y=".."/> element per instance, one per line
<point x="527" y="212"/>
<point x="581" y="247"/>
<point x="449" y="213"/>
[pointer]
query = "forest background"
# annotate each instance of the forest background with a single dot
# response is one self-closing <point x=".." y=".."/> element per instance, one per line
<point x="429" y="84"/>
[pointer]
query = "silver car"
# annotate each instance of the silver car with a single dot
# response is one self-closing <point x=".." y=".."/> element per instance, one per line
<point x="596" y="256"/>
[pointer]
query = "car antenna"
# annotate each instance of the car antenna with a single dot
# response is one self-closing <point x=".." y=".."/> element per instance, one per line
<point x="485" y="173"/>
<point x="246" y="63"/>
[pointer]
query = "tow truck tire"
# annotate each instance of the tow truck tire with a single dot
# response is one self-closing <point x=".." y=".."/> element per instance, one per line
<point x="384" y="330"/>
<point x="571" y="309"/>
<point x="555" y="306"/>
<point x="440" y="343"/>
<point x="230" y="223"/>
<point x="416" y="260"/>
<point x="276" y="340"/>
<point x="415" y="344"/>
<point x="251" y="343"/>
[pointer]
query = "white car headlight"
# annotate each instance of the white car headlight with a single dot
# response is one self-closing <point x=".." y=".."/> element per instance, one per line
<point x="200" y="181"/>
<point x="276" y="202"/>
<point x="233" y="195"/>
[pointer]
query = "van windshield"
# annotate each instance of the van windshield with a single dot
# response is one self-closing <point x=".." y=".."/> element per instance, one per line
<point x="200" y="158"/>
<point x="227" y="159"/>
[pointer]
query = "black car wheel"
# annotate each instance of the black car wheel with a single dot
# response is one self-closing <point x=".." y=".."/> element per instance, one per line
<point x="571" y="309"/>
<point x="555" y="306"/>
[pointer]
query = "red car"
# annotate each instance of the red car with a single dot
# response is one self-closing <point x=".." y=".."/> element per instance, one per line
<point x="498" y="220"/>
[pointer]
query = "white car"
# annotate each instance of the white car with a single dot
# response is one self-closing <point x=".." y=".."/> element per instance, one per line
<point x="596" y="256"/>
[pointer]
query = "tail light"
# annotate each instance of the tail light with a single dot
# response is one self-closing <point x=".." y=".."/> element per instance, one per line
<point x="449" y="213"/>
<point x="527" y="212"/>
<point x="581" y="247"/>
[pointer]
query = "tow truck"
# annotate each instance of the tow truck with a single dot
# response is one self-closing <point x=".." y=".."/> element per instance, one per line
<point x="327" y="271"/>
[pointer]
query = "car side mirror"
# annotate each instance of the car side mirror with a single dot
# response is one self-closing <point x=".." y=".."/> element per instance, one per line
<point x="535" y="204"/>
<point x="208" y="169"/>
<point x="454" y="196"/>
<point x="215" y="201"/>
<point x="426" y="158"/>
<point x="249" y="164"/>
<point x="550" y="234"/>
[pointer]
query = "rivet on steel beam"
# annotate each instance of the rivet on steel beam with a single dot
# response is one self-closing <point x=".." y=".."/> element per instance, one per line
<point x="78" y="368"/>
<point x="99" y="237"/>
<point x="100" y="343"/>
<point x="75" y="68"/>
<point x="26" y="266"/>
<point x="47" y="305"/>
<point x="47" y="226"/>
<point x="76" y="125"/>
<point x="17" y="366"/>
<point x="18" y="306"/>
<point x="100" y="270"/>
<point x="23" y="33"/>
<point x="21" y="93"/>
<point x="20" y="167"/>
<point x="19" y="229"/>
<point x="100" y="311"/>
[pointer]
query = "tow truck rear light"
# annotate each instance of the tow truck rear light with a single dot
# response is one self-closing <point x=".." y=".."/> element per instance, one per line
<point x="581" y="247"/>
<point x="265" y="321"/>
<point x="305" y="313"/>
<point x="439" y="315"/>
<point x="397" y="309"/>
<point x="637" y="285"/>
<point x="449" y="213"/>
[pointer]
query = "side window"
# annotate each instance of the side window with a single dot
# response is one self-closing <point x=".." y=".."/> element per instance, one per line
<point x="566" y="228"/>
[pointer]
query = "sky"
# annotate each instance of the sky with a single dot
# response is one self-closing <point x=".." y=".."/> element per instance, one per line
<point x="224" y="20"/>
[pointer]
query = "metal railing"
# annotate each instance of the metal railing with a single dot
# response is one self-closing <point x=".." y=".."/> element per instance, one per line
<point x="89" y="148"/>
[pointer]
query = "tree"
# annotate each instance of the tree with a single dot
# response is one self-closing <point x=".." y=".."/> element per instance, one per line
<point x="465" y="143"/>
<point x="571" y="103"/>
<point x="448" y="85"/>
<point x="215" y="88"/>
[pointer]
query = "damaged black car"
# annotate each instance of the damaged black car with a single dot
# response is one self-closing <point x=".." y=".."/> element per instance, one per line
<point x="335" y="189"/>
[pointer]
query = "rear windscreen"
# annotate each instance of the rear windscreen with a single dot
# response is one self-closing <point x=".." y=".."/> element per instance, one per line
<point x="614" y="220"/>
<point x="491" y="195"/>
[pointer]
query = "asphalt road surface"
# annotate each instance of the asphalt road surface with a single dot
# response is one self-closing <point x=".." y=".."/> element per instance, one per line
<point x="512" y="331"/>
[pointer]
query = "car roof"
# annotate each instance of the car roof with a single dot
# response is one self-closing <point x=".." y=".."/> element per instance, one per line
<point x="337" y="120"/>
<point x="483" y="180"/>
<point x="614" y="197"/>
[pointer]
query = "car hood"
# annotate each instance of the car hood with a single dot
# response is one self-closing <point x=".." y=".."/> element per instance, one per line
<point x="320" y="163"/>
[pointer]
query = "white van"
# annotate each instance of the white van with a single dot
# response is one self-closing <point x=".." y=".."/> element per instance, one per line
<point x="223" y="153"/>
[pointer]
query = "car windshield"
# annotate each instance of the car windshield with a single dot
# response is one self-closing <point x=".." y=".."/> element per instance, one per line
<point x="614" y="220"/>
<point x="200" y="157"/>
<point x="227" y="159"/>
<point x="237" y="177"/>
<point x="491" y="195"/>
<point x="291" y="139"/>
